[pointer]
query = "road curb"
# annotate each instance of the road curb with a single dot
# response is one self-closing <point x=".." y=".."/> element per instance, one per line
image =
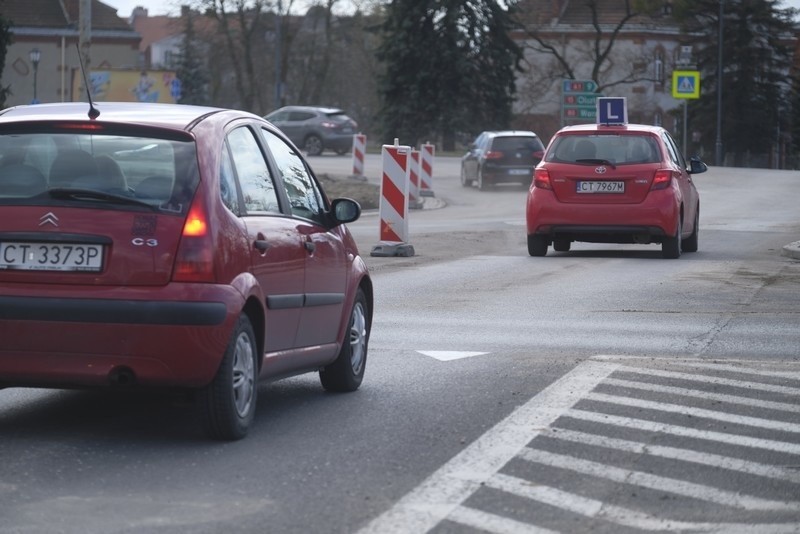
<point x="432" y="203"/>
<point x="792" y="250"/>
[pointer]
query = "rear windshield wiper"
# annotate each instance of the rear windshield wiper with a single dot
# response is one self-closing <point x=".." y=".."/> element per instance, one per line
<point x="94" y="195"/>
<point x="596" y="161"/>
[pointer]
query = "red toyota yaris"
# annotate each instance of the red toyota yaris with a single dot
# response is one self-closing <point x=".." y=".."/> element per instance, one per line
<point x="172" y="246"/>
<point x="625" y="183"/>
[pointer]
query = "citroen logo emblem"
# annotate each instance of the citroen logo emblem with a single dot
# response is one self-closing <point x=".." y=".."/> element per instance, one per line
<point x="48" y="218"/>
<point x="600" y="170"/>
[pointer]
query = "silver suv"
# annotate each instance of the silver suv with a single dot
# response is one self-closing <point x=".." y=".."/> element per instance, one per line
<point x="315" y="129"/>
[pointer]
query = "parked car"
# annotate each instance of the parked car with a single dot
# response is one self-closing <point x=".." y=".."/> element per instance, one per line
<point x="624" y="183"/>
<point x="501" y="157"/>
<point x="316" y="129"/>
<point x="173" y="246"/>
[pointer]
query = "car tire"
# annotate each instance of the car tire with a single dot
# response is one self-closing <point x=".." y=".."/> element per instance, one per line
<point x="228" y="403"/>
<point x="561" y="245"/>
<point x="691" y="243"/>
<point x="671" y="245"/>
<point x="483" y="185"/>
<point x="313" y="145"/>
<point x="465" y="182"/>
<point x="537" y="245"/>
<point x="347" y="370"/>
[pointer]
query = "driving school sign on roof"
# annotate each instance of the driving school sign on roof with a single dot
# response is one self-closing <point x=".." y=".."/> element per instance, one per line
<point x="686" y="84"/>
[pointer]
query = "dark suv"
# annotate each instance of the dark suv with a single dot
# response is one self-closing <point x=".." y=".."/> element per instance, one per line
<point x="501" y="157"/>
<point x="172" y="246"/>
<point x="315" y="129"/>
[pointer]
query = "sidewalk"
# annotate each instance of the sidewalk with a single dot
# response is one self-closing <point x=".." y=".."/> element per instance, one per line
<point x="792" y="250"/>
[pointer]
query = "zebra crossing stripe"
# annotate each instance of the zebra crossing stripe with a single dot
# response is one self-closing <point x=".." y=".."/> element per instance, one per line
<point x="675" y="453"/>
<point x="655" y="482"/>
<point x="592" y="508"/>
<point x="739" y="369"/>
<point x="700" y="394"/>
<point x="686" y="432"/>
<point x="441" y="493"/>
<point x="486" y="522"/>
<point x="716" y="380"/>
<point x="757" y="422"/>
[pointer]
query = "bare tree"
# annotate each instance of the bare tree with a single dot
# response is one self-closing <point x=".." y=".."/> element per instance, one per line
<point x="240" y="25"/>
<point x="597" y="51"/>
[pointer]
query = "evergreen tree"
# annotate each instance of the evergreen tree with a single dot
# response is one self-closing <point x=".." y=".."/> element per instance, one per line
<point x="5" y="41"/>
<point x="191" y="71"/>
<point x="448" y="66"/>
<point x="756" y="62"/>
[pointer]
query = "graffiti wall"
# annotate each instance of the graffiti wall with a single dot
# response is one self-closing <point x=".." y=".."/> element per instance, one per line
<point x="129" y="86"/>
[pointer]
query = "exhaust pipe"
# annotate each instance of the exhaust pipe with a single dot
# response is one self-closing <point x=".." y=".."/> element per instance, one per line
<point x="122" y="377"/>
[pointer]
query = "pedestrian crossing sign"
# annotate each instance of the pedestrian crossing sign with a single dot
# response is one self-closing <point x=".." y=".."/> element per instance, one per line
<point x="686" y="84"/>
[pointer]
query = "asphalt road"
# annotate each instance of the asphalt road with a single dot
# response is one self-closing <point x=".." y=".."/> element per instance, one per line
<point x="604" y="389"/>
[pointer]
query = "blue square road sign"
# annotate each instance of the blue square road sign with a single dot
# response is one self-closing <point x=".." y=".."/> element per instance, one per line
<point x="612" y="110"/>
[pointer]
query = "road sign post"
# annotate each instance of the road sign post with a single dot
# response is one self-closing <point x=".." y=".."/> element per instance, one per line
<point x="579" y="100"/>
<point x="685" y="85"/>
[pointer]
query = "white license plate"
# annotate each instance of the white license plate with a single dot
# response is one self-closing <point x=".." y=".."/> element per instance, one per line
<point x="51" y="256"/>
<point x="520" y="171"/>
<point x="600" y="187"/>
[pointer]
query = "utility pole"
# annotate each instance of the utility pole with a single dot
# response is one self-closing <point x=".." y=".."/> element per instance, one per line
<point x="85" y="36"/>
<point x="718" y="151"/>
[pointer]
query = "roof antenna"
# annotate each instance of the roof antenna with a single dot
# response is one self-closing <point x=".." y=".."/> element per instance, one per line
<point x="93" y="111"/>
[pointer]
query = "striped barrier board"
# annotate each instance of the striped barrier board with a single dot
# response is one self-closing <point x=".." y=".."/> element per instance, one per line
<point x="414" y="202"/>
<point x="393" y="204"/>
<point x="359" y="149"/>
<point x="428" y="153"/>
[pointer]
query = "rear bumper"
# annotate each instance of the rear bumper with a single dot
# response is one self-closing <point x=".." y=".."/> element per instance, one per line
<point x="340" y="142"/>
<point x="69" y="340"/>
<point x="500" y="175"/>
<point x="648" y="221"/>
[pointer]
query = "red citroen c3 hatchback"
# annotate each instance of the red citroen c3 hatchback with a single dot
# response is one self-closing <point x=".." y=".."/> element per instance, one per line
<point x="172" y="246"/>
<point x="626" y="183"/>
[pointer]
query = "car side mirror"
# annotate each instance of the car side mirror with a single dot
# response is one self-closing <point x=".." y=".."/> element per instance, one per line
<point x="696" y="166"/>
<point x="345" y="210"/>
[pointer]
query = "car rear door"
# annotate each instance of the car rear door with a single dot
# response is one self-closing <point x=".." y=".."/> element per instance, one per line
<point x="277" y="251"/>
<point x="325" y="257"/>
<point x="686" y="185"/>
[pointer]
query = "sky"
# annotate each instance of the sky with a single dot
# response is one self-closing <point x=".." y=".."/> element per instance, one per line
<point x="172" y="7"/>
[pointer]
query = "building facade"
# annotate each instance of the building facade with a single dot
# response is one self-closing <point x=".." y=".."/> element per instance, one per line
<point x="43" y="61"/>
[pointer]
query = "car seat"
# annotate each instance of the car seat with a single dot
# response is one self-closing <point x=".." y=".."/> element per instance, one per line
<point x="111" y="174"/>
<point x="584" y="149"/>
<point x="70" y="165"/>
<point x="19" y="180"/>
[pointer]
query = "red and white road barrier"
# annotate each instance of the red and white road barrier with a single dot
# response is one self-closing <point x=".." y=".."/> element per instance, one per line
<point x="359" y="149"/>
<point x="426" y="170"/>
<point x="414" y="202"/>
<point x="393" y="204"/>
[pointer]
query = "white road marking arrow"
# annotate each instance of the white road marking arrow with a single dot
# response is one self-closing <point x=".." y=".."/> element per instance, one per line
<point x="449" y="355"/>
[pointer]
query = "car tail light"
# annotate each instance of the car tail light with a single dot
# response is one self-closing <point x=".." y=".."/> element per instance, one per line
<point x="194" y="261"/>
<point x="661" y="180"/>
<point x="541" y="179"/>
<point x="493" y="154"/>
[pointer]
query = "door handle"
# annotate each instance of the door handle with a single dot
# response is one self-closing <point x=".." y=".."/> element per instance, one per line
<point x="261" y="245"/>
<point x="310" y="246"/>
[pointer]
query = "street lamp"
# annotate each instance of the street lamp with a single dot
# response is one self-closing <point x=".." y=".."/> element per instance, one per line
<point x="35" y="56"/>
